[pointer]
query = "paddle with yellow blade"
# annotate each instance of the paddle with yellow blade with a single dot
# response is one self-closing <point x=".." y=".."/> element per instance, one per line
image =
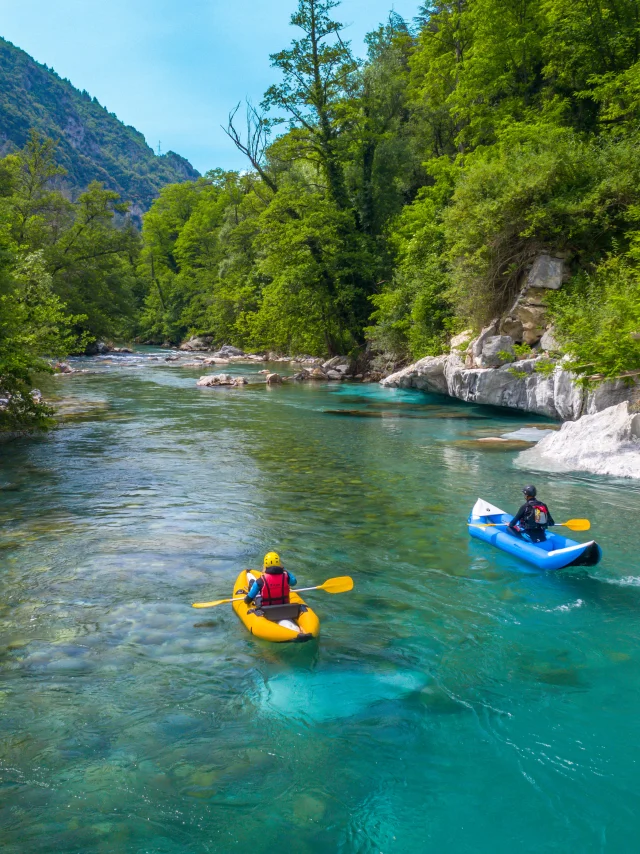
<point x="572" y="524"/>
<point x="340" y="584"/>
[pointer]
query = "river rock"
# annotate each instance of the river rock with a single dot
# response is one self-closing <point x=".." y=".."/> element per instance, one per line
<point x="317" y="374"/>
<point x="307" y="360"/>
<point x="335" y="375"/>
<point x="228" y="350"/>
<point x="606" y="443"/>
<point x="211" y="360"/>
<point x="197" y="343"/>
<point x="63" y="368"/>
<point x="497" y="350"/>
<point x="97" y="348"/>
<point x="274" y="379"/>
<point x="335" y="361"/>
<point x="121" y="350"/>
<point x="221" y="380"/>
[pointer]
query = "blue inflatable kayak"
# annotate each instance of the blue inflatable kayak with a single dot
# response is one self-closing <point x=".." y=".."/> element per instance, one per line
<point x="556" y="552"/>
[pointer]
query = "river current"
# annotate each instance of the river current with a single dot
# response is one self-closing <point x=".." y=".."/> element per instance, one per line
<point x="455" y="701"/>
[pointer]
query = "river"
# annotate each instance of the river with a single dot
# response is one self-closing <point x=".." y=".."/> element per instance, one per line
<point x="455" y="701"/>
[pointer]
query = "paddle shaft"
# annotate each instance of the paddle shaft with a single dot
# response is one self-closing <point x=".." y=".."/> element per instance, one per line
<point x="572" y="524"/>
<point x="340" y="584"/>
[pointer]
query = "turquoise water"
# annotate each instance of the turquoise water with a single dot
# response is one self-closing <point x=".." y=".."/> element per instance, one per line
<point x="455" y="701"/>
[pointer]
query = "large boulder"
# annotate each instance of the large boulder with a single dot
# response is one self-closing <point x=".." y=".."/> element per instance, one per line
<point x="274" y="379"/>
<point x="497" y="350"/>
<point x="196" y="343"/>
<point x="316" y="374"/>
<point x="334" y="375"/>
<point x="97" y="348"/>
<point x="335" y="361"/>
<point x="427" y="374"/>
<point x="606" y="443"/>
<point x="228" y="350"/>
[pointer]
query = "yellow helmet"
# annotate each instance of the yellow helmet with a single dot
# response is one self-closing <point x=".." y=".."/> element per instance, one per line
<point x="271" y="559"/>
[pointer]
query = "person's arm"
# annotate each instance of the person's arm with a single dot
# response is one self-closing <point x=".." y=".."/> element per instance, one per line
<point x="550" y="519"/>
<point x="519" y="515"/>
<point x="255" y="588"/>
<point x="292" y="579"/>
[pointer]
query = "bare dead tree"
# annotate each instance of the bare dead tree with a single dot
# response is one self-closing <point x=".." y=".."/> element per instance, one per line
<point x="257" y="139"/>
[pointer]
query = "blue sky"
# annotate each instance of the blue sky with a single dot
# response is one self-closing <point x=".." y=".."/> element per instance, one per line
<point x="173" y="69"/>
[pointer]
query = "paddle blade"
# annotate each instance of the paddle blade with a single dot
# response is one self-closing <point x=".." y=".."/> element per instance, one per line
<point x="340" y="584"/>
<point x="578" y="524"/>
<point x="211" y="604"/>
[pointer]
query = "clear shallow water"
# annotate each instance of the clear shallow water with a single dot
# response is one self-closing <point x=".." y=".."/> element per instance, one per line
<point x="455" y="701"/>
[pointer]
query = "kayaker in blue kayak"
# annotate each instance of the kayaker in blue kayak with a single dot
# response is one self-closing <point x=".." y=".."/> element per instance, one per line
<point x="533" y="518"/>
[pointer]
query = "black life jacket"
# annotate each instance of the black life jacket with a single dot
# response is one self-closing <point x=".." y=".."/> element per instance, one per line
<point x="275" y="590"/>
<point x="536" y="515"/>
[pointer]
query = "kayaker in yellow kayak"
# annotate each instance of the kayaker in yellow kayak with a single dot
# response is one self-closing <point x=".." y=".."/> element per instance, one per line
<point x="274" y="585"/>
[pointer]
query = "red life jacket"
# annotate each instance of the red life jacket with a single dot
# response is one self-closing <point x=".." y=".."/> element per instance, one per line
<point x="275" y="590"/>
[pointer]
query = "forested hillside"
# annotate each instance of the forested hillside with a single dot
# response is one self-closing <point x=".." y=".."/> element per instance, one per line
<point x="387" y="203"/>
<point x="399" y="199"/>
<point x="93" y="144"/>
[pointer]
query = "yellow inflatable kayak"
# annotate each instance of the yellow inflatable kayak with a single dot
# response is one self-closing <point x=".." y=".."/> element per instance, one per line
<point x="280" y="623"/>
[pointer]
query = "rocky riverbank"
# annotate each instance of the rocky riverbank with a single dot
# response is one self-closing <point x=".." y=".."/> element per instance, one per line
<point x="536" y="385"/>
<point x="516" y="361"/>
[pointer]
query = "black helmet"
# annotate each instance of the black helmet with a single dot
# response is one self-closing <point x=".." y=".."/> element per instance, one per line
<point x="530" y="491"/>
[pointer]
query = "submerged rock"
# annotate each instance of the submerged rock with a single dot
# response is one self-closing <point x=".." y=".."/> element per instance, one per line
<point x="605" y="443"/>
<point x="331" y="695"/>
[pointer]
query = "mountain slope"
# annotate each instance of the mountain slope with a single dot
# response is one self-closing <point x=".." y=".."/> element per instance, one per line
<point x="93" y="143"/>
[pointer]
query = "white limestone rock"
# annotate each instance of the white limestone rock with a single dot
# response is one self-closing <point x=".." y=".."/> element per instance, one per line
<point x="548" y="341"/>
<point x="606" y="443"/>
<point x="546" y="272"/>
<point x="497" y="350"/>
<point x="427" y="374"/>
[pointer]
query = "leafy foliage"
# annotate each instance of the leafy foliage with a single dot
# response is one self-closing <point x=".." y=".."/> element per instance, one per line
<point x="67" y="275"/>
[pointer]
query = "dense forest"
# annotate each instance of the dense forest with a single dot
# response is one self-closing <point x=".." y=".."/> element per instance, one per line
<point x="387" y="203"/>
<point x="93" y="145"/>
